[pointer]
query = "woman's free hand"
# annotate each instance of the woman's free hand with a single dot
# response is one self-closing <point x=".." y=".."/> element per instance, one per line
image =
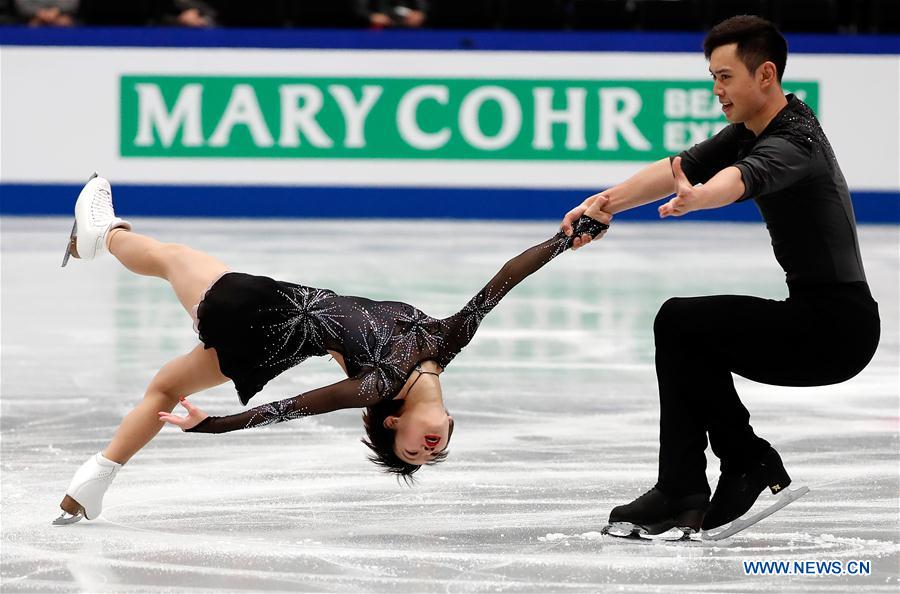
<point x="195" y="416"/>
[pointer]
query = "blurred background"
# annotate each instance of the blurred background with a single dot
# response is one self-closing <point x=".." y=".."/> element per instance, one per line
<point x="821" y="16"/>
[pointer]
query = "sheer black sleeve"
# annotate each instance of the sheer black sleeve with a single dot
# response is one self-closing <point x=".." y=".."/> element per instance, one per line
<point x="348" y="393"/>
<point x="461" y="327"/>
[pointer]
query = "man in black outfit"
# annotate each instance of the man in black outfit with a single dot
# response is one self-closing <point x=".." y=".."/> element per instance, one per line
<point x="826" y="331"/>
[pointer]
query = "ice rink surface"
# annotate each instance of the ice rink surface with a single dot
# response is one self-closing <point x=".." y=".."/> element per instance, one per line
<point x="555" y="402"/>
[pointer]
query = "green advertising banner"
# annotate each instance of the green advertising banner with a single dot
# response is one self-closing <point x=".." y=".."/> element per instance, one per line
<point x="418" y="118"/>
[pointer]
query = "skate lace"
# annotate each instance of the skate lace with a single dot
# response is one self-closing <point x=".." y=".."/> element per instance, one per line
<point x="101" y="207"/>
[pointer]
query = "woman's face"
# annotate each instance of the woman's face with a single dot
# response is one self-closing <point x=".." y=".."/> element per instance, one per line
<point x="420" y="433"/>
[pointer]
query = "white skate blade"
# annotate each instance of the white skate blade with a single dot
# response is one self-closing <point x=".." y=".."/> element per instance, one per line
<point x="670" y="535"/>
<point x="69" y="244"/>
<point x="787" y="497"/>
<point x="619" y="529"/>
<point x="66" y="518"/>
<point x="635" y="532"/>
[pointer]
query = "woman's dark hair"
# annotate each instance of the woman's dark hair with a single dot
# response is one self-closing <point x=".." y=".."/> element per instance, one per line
<point x="381" y="440"/>
<point x="758" y="41"/>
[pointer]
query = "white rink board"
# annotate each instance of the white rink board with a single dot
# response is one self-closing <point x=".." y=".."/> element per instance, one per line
<point x="69" y="115"/>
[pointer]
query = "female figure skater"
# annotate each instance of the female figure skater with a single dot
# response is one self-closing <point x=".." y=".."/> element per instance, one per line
<point x="253" y="328"/>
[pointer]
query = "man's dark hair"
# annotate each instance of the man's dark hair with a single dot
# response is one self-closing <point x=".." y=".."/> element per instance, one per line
<point x="381" y="441"/>
<point x="758" y="41"/>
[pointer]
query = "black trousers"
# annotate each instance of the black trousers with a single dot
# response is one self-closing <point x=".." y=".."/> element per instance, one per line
<point x="819" y="335"/>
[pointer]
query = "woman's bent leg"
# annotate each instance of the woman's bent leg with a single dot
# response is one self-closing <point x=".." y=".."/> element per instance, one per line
<point x="180" y="377"/>
<point x="189" y="271"/>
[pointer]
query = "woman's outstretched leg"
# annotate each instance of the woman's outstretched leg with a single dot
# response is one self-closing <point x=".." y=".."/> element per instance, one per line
<point x="189" y="271"/>
<point x="185" y="375"/>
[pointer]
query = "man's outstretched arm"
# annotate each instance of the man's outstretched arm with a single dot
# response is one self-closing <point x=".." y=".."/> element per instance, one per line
<point x="647" y="185"/>
<point x="658" y="181"/>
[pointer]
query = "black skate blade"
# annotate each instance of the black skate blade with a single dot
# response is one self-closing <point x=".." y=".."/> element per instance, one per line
<point x="786" y="497"/>
<point x="69" y="244"/>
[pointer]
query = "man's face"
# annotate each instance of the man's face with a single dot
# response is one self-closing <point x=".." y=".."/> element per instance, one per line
<point x="739" y="91"/>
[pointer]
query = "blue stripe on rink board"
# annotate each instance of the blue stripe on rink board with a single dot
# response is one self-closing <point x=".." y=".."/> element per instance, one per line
<point x="549" y="41"/>
<point x="372" y="202"/>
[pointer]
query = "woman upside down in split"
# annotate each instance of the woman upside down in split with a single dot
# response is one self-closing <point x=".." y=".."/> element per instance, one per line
<point x="253" y="328"/>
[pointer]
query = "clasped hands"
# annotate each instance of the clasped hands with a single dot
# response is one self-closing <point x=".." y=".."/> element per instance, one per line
<point x="684" y="201"/>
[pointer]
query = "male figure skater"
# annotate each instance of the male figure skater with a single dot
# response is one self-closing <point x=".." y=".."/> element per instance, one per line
<point x="826" y="331"/>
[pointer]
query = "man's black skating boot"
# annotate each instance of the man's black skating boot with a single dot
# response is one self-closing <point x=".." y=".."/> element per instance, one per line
<point x="737" y="492"/>
<point x="655" y="514"/>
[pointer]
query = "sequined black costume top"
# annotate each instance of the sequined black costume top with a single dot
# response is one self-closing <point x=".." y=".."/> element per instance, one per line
<point x="790" y="171"/>
<point x="261" y="327"/>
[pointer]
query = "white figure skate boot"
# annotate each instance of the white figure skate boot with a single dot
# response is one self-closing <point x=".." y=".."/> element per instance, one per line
<point x="84" y="497"/>
<point x="94" y="219"/>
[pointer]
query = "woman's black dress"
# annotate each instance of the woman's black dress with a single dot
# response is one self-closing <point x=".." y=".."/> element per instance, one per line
<point x="261" y="327"/>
